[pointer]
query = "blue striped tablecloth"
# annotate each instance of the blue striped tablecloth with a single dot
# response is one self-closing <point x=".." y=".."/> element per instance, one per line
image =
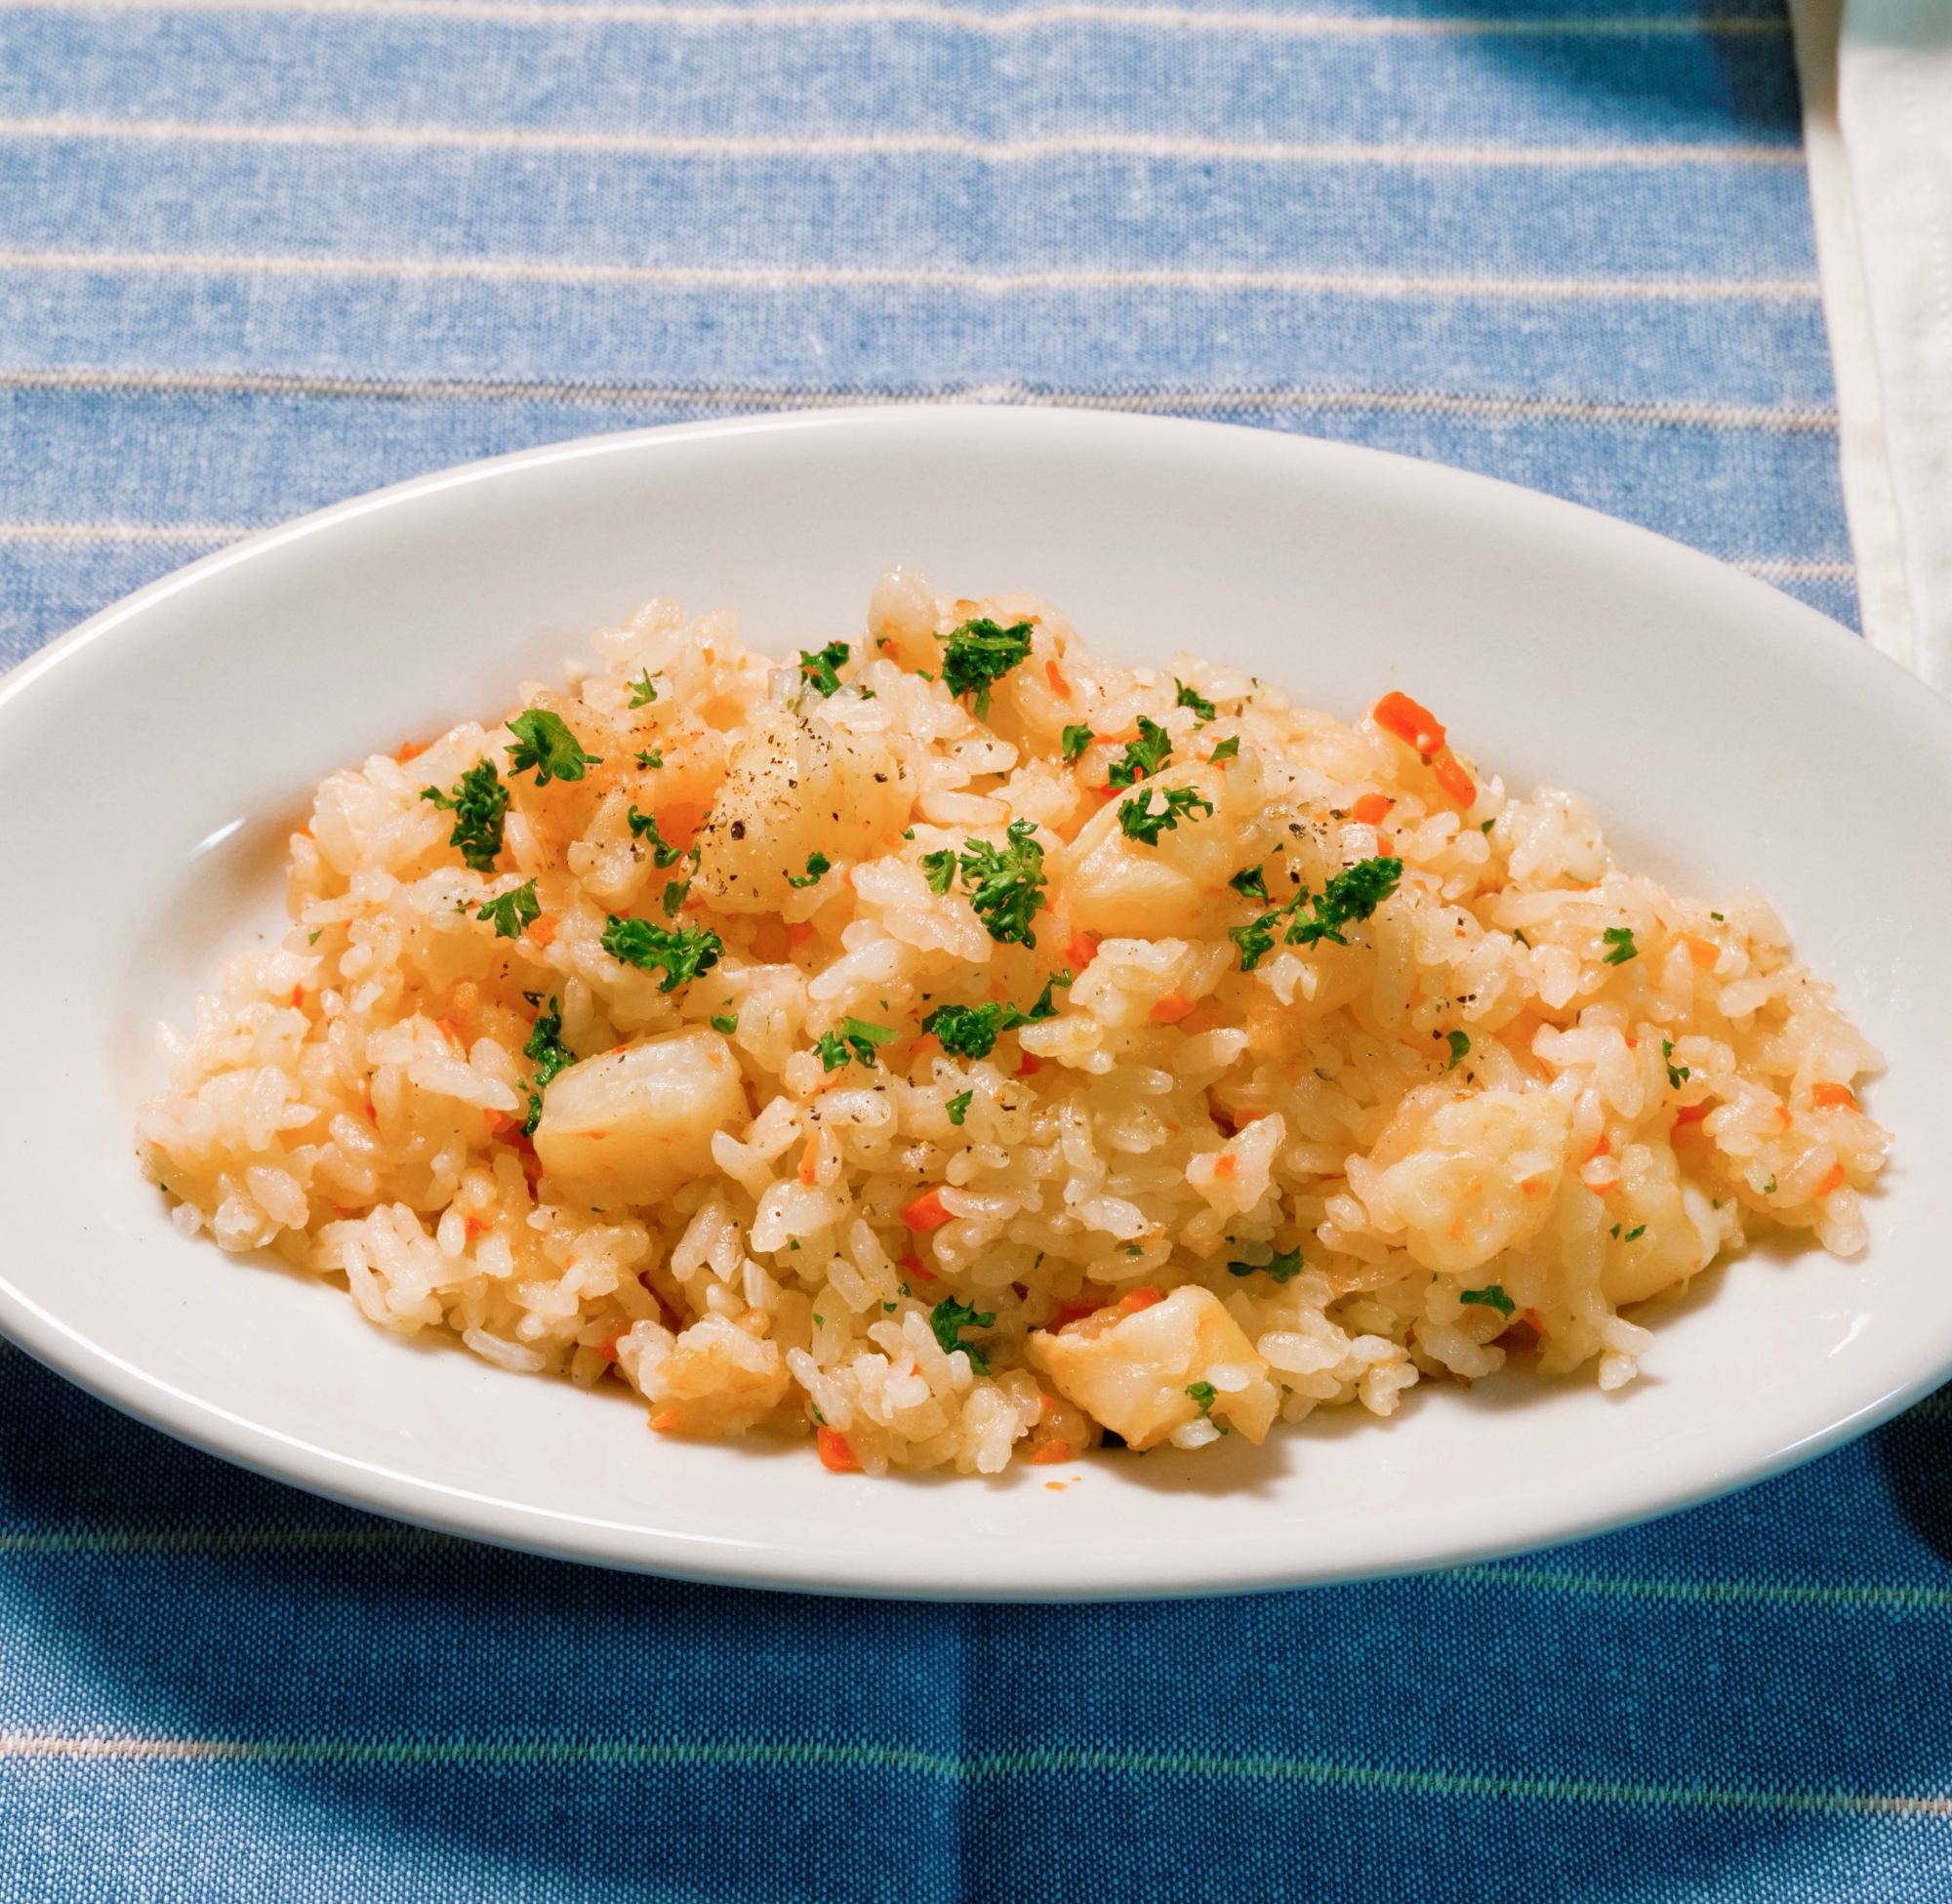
<point x="257" y="255"/>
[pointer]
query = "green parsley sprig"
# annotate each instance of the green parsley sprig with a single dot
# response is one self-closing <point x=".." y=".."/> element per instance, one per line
<point x="1076" y="740"/>
<point x="1203" y="709"/>
<point x="544" y="741"/>
<point x="479" y="804"/>
<point x="683" y="953"/>
<point x="1138" y="821"/>
<point x="979" y="653"/>
<point x="855" y="1038"/>
<point x="1351" y="896"/>
<point x="820" y="669"/>
<point x="1491" y="1297"/>
<point x="1143" y="757"/>
<point x="1281" y="1269"/>
<point x="1006" y="883"/>
<point x="818" y="867"/>
<point x="949" y="1318"/>
<point x="547" y="1052"/>
<point x="514" y="910"/>
<point x="1621" y="939"/>
<point x="645" y="827"/>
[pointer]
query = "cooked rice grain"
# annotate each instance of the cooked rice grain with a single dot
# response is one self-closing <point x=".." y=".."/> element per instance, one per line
<point x="1530" y="1090"/>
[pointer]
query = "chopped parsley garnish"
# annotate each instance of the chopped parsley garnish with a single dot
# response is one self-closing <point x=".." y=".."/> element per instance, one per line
<point x="1203" y="1392"/>
<point x="979" y="653"/>
<point x="548" y="1053"/>
<point x="514" y="910"/>
<point x="958" y="1108"/>
<point x="949" y="1318"/>
<point x="1459" y="1044"/>
<point x="1522" y="938"/>
<point x="651" y="757"/>
<point x="1349" y="897"/>
<point x="1076" y="741"/>
<point x="1492" y="1297"/>
<point x="1006" y="884"/>
<point x="1635" y="1233"/>
<point x="1227" y="749"/>
<point x="479" y="804"/>
<point x="725" y="1023"/>
<point x="1677" y="1075"/>
<point x="1717" y="919"/>
<point x="312" y="938"/>
<point x="1280" y="1267"/>
<point x="939" y="870"/>
<point x="683" y="951"/>
<point x="818" y="867"/>
<point x="1621" y="939"/>
<point x="1203" y="709"/>
<point x="1486" y="826"/>
<point x="1143" y="757"/>
<point x="855" y="1038"/>
<point x="813" y="1408"/>
<point x="1769" y="1189"/>
<point x="674" y="892"/>
<point x="1137" y="821"/>
<point x="1250" y="884"/>
<point x="645" y="827"/>
<point x="819" y="668"/>
<point x="544" y="741"/>
<point x="643" y="691"/>
<point x="969" y="1030"/>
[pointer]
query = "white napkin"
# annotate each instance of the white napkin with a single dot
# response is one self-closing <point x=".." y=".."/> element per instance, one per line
<point x="1878" y="104"/>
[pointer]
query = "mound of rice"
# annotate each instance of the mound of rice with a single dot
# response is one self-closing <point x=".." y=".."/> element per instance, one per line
<point x="967" y="1048"/>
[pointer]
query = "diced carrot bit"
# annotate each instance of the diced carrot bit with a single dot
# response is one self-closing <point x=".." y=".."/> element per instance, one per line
<point x="1371" y="809"/>
<point x="1029" y="1065"/>
<point x="1170" y="1009"/>
<point x="542" y="930"/>
<point x="1141" y="1298"/>
<point x="1058" y="684"/>
<point x="304" y="833"/>
<point x="1692" y="1114"/>
<point x="925" y="1212"/>
<point x="1457" y="784"/>
<point x="1050" y="1453"/>
<point x="808" y="1160"/>
<point x="1080" y="950"/>
<point x="1832" y="1179"/>
<point x="666" y="1420"/>
<point x="1833" y="1097"/>
<point x="1532" y="1317"/>
<point x="1046" y="1404"/>
<point x="798" y="936"/>
<point x="410" y="748"/>
<point x="298" y="995"/>
<point x="372" y="1116"/>
<point x="496" y="1122"/>
<point x="836" y="1455"/>
<point x="916" y="1266"/>
<point x="1226" y="1163"/>
<point x="473" y="1226"/>
<point x="1603" y="1147"/>
<point x="607" y="1348"/>
<point x="926" y="1045"/>
<point x="1066" y="1314"/>
<point x="1701" y="953"/>
<point x="1782" y="1116"/>
<point x="1535" y="1187"/>
<point x="1409" y="720"/>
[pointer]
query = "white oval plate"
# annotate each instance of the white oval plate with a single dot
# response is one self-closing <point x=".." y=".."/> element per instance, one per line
<point x="152" y="762"/>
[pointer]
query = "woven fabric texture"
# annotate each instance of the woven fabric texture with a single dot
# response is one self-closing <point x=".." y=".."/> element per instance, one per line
<point x="258" y="256"/>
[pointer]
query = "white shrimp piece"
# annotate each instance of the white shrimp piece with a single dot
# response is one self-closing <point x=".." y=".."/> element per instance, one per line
<point x="795" y="787"/>
<point x="1118" y="886"/>
<point x="631" y="1125"/>
<point x="717" y="1380"/>
<point x="1134" y="1372"/>
<point x="1481" y="1179"/>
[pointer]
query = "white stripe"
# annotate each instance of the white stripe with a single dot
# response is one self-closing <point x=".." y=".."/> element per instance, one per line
<point x="921" y="12"/>
<point x="771" y="278"/>
<point x="1786" y="571"/>
<point x="751" y="396"/>
<point x="196" y="534"/>
<point x="898" y="144"/>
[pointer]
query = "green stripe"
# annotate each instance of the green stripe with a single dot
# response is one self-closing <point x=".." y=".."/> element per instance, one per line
<point x="545" y="1755"/>
<point x="240" y="1540"/>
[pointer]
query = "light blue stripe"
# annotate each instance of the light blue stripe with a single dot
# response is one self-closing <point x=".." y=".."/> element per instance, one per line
<point x="893" y="77"/>
<point x="904" y="213"/>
